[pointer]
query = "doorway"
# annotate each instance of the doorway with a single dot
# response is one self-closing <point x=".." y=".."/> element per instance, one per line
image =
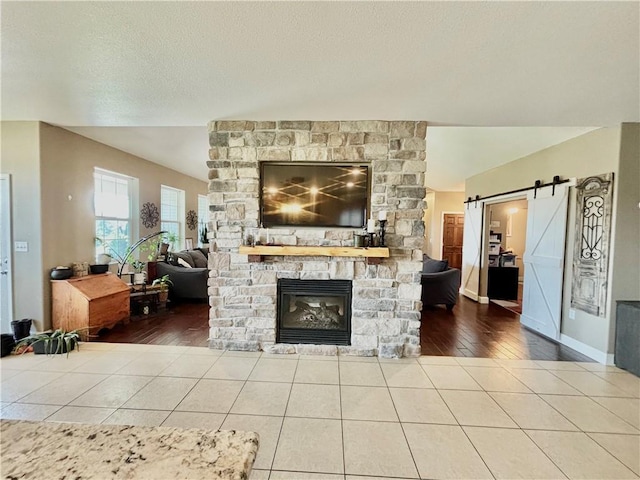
<point x="452" y="236"/>
<point x="6" y="292"/>
<point x="507" y="222"/>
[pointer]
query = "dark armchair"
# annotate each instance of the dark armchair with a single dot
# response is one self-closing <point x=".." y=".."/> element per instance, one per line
<point x="440" y="283"/>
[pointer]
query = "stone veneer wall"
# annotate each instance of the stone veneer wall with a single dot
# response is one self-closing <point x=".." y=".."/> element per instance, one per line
<point x="386" y="297"/>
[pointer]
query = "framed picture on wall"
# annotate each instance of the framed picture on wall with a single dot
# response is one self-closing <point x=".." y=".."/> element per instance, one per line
<point x="188" y="243"/>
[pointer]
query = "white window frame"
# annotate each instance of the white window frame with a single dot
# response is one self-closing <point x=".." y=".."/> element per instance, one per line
<point x="132" y="192"/>
<point x="203" y="214"/>
<point x="180" y="214"/>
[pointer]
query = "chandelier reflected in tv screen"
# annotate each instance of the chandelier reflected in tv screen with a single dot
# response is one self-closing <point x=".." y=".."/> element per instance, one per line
<point x="314" y="195"/>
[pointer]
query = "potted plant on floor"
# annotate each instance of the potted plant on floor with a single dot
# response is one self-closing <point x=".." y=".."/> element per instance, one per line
<point x="164" y="283"/>
<point x="50" y="343"/>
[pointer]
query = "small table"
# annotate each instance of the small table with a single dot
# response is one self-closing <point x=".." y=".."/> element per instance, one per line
<point x="144" y="299"/>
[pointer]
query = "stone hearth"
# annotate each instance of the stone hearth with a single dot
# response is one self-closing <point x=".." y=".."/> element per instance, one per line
<point x="386" y="297"/>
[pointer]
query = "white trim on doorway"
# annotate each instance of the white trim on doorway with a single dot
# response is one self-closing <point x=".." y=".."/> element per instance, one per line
<point x="6" y="263"/>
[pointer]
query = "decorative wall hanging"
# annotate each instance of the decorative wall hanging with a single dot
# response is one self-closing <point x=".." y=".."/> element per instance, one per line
<point x="192" y="219"/>
<point x="149" y="215"/>
<point x="591" y="247"/>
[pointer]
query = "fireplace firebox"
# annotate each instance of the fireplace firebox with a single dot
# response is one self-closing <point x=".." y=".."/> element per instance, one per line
<point x="314" y="311"/>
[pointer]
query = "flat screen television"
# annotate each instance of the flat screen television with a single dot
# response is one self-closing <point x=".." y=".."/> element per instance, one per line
<point x="314" y="194"/>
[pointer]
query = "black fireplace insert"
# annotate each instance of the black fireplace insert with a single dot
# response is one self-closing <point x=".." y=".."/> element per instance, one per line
<point x="314" y="311"/>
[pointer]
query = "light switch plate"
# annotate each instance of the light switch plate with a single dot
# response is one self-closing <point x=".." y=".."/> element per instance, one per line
<point x="21" y="246"/>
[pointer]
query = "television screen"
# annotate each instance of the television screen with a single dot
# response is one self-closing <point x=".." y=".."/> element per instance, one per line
<point x="314" y="195"/>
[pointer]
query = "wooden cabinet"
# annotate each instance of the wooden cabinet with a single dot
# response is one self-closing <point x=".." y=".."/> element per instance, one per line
<point x="91" y="303"/>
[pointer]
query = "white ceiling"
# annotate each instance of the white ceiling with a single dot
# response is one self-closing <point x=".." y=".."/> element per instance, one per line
<point x="181" y="64"/>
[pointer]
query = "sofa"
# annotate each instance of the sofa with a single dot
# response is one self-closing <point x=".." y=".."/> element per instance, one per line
<point x="188" y="272"/>
<point x="440" y="283"/>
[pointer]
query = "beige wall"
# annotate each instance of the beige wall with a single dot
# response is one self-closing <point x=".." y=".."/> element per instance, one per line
<point x="439" y="203"/>
<point x="65" y="187"/>
<point x="20" y="159"/>
<point x="593" y="153"/>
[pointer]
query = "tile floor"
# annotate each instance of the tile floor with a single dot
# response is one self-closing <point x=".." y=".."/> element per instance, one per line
<point x="352" y="417"/>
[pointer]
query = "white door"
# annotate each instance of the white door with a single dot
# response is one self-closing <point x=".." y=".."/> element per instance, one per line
<point x="544" y="260"/>
<point x="472" y="249"/>
<point x="6" y="309"/>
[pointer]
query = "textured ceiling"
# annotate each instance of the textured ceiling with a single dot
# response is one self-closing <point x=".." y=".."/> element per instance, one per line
<point x="168" y="64"/>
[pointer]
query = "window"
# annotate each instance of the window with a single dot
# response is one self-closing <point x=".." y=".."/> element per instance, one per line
<point x="203" y="216"/>
<point x="172" y="214"/>
<point x="112" y="201"/>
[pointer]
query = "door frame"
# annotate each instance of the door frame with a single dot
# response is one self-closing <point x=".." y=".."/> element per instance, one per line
<point x="441" y="241"/>
<point x="7" y="235"/>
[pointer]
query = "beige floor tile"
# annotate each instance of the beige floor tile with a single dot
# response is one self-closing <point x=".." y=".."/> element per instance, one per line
<point x="267" y="427"/>
<point x="510" y="454"/>
<point x="476" y="362"/>
<point x="626" y="381"/>
<point x="64" y="389"/>
<point x="162" y="393"/>
<point x="210" y="395"/>
<point x="12" y="389"/>
<point x="314" y="401"/>
<point x="28" y="411"/>
<point x="310" y="445"/>
<point x="262" y="398"/>
<point x="271" y="370"/>
<point x="399" y="361"/>
<point x="354" y="358"/>
<point x="148" y="364"/>
<point x="444" y="451"/>
<point x="259" y="474"/>
<point x="72" y="414"/>
<point x="421" y="406"/>
<point x="578" y="456"/>
<point x="530" y="411"/>
<point x="113" y="392"/>
<point x="102" y="346"/>
<point x="543" y="381"/>
<point x="405" y="375"/>
<point x="25" y="361"/>
<point x="4" y="405"/>
<point x="517" y="364"/>
<point x="367" y="403"/>
<point x="192" y="366"/>
<point x="626" y="408"/>
<point x="429" y="360"/>
<point x="588" y="415"/>
<point x="358" y="373"/>
<point x="590" y="384"/>
<point x="232" y="368"/>
<point x="450" y="377"/>
<point x="281" y="356"/>
<point x="203" y="351"/>
<point x="234" y="353"/>
<point x="62" y="363"/>
<point x="361" y="477"/>
<point x="317" y="371"/>
<point x="131" y="347"/>
<point x="476" y="408"/>
<point x="378" y="449"/>
<point x="177" y="349"/>
<point x="496" y="380"/>
<point x="599" y="367"/>
<point x="319" y="358"/>
<point x="559" y="365"/>
<point x="280" y="475"/>
<point x="6" y="374"/>
<point x="108" y="363"/>
<point x="147" y="418"/>
<point x="625" y="448"/>
<point x="205" y="421"/>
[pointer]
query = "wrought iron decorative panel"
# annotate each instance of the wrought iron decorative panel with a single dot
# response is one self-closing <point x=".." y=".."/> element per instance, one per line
<point x="591" y="248"/>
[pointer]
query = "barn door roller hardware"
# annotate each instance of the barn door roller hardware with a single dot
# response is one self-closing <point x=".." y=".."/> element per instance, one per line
<point x="537" y="185"/>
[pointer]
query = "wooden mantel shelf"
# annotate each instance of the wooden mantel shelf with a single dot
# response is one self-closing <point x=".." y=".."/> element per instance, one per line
<point x="263" y="250"/>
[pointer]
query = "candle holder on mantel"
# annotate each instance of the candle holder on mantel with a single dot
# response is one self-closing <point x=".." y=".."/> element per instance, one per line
<point x="383" y="223"/>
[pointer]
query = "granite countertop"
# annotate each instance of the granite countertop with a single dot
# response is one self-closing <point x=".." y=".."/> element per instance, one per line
<point x="75" y="451"/>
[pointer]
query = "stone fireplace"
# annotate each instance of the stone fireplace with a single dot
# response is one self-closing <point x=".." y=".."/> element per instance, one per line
<point x="385" y="295"/>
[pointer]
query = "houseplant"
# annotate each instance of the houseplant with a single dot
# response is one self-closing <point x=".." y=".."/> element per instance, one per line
<point x="138" y="268"/>
<point x="164" y="283"/>
<point x="50" y="343"/>
<point x="204" y="240"/>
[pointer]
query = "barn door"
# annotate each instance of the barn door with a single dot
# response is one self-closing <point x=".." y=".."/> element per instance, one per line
<point x="472" y="249"/>
<point x="452" y="233"/>
<point x="544" y="260"/>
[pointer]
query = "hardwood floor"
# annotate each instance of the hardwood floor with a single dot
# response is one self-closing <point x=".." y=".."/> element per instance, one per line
<point x="475" y="330"/>
<point x="471" y="330"/>
<point x="184" y="324"/>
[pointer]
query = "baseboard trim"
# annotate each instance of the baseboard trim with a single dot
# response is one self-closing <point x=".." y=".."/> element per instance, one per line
<point x="470" y="294"/>
<point x="589" y="351"/>
<point x="484" y="300"/>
